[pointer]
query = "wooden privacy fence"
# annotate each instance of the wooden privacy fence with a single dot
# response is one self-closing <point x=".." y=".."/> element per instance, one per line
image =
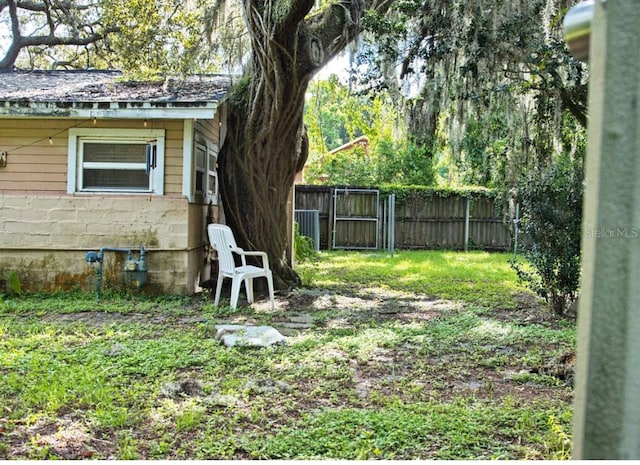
<point x="355" y="218"/>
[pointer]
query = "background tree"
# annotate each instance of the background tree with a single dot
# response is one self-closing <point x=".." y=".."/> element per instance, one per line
<point x="480" y="87"/>
<point x="37" y="26"/>
<point x="327" y="116"/>
<point x="155" y="37"/>
<point x="487" y="82"/>
<point x="144" y="38"/>
<point x="334" y="115"/>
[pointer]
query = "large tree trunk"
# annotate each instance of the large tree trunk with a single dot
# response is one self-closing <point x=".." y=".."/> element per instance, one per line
<point x="265" y="144"/>
<point x="258" y="163"/>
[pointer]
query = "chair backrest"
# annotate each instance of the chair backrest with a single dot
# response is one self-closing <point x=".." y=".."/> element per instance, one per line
<point x="222" y="240"/>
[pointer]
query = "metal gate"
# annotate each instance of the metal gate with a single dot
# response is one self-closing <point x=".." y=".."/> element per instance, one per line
<point x="355" y="218"/>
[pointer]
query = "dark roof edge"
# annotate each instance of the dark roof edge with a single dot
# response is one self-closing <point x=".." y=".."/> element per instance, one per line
<point x="161" y="77"/>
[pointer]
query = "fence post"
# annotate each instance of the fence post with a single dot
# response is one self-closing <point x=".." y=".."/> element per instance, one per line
<point x="516" y="227"/>
<point x="391" y="223"/>
<point x="466" y="224"/>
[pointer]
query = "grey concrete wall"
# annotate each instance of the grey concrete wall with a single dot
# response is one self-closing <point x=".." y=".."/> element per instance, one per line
<point x="44" y="238"/>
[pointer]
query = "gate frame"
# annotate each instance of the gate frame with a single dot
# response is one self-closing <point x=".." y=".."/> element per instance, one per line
<point x="347" y="191"/>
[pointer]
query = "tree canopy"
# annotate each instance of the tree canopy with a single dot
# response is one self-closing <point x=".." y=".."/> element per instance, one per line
<point x="143" y="38"/>
<point x="35" y="27"/>
<point x="490" y="82"/>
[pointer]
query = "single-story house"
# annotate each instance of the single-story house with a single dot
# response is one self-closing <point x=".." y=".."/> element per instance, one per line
<point x="89" y="162"/>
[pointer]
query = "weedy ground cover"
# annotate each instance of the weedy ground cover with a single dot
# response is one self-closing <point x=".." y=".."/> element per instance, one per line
<point x="424" y="355"/>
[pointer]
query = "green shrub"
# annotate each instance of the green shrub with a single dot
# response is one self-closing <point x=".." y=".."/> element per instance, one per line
<point x="305" y="255"/>
<point x="552" y="213"/>
<point x="303" y="245"/>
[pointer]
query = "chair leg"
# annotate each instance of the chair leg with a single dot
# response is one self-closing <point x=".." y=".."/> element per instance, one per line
<point x="236" y="282"/>
<point x="218" y="289"/>
<point x="248" y="285"/>
<point x="270" y="284"/>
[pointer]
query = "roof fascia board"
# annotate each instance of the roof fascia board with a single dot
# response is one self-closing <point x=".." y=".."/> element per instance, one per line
<point x="199" y="110"/>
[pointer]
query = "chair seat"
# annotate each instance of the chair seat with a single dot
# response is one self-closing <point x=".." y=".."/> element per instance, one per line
<point x="250" y="270"/>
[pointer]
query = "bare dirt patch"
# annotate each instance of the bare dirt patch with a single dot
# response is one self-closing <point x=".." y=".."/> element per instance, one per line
<point x="337" y="309"/>
<point x="63" y="437"/>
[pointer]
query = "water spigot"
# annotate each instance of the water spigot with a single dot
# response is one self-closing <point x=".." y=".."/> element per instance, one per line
<point x="93" y="257"/>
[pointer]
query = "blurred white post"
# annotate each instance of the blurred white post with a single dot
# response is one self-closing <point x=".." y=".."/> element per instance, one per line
<point x="607" y="392"/>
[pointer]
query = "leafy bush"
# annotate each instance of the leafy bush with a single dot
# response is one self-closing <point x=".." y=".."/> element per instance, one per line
<point x="407" y="163"/>
<point x="303" y="245"/>
<point x="552" y="213"/>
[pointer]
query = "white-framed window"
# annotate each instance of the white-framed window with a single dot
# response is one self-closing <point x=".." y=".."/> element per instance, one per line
<point x="212" y="173"/>
<point x="206" y="173"/>
<point x="116" y="160"/>
<point x="200" y="174"/>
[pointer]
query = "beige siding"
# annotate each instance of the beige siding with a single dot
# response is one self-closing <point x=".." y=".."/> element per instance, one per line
<point x="207" y="130"/>
<point x="33" y="162"/>
<point x="173" y="155"/>
<point x="57" y="230"/>
<point x="37" y="164"/>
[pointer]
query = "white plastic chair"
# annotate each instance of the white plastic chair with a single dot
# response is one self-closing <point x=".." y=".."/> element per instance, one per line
<point x="222" y="240"/>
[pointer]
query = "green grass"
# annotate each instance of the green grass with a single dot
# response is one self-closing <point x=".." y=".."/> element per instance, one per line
<point x="457" y="430"/>
<point x="482" y="278"/>
<point x="76" y="302"/>
<point x="387" y="377"/>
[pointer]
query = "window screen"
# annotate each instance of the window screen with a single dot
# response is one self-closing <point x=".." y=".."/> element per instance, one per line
<point x="114" y="166"/>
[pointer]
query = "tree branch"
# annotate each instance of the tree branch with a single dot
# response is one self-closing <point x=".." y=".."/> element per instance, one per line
<point x="51" y="40"/>
<point x="14" y="49"/>
<point x="335" y="27"/>
<point x="41" y="7"/>
<point x="50" y="23"/>
<point x="288" y="13"/>
<point x="81" y="34"/>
